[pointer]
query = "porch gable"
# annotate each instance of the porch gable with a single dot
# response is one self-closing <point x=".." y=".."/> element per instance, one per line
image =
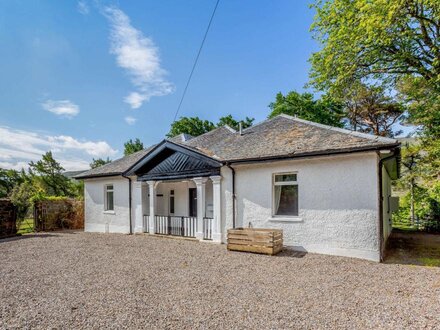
<point x="169" y="161"/>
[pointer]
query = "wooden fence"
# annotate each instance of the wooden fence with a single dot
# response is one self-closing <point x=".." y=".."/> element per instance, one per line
<point x="8" y="218"/>
<point x="58" y="214"/>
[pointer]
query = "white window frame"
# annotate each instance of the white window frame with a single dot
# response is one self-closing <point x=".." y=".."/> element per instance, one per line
<point x="106" y="190"/>
<point x="276" y="217"/>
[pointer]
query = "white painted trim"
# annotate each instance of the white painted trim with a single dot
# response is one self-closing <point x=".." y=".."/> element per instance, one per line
<point x="109" y="212"/>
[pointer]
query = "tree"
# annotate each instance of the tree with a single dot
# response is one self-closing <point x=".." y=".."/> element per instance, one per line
<point x="369" y="110"/>
<point x="375" y="41"/>
<point x="21" y="197"/>
<point x="190" y="125"/>
<point x="8" y="180"/>
<point x="324" y="110"/>
<point x="99" y="162"/>
<point x="235" y="124"/>
<point x="131" y="147"/>
<point x="50" y="173"/>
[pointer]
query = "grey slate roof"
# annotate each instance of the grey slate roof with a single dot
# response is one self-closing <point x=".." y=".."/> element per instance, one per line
<point x="116" y="167"/>
<point x="283" y="136"/>
<point x="279" y="137"/>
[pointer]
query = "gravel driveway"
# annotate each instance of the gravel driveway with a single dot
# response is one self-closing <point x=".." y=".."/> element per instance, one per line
<point x="83" y="280"/>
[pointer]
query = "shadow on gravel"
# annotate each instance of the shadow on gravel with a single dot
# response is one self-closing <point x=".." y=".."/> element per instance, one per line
<point x="20" y="237"/>
<point x="413" y="248"/>
<point x="291" y="253"/>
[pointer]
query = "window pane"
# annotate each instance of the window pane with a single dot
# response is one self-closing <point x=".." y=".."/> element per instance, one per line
<point x="110" y="206"/>
<point x="286" y="200"/>
<point x="109" y="187"/>
<point x="285" y="177"/>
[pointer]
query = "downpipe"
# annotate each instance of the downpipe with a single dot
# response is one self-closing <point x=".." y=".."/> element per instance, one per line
<point x="233" y="193"/>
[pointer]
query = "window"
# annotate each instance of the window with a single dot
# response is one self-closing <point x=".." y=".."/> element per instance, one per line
<point x="171" y="201"/>
<point x="285" y="194"/>
<point x="109" y="203"/>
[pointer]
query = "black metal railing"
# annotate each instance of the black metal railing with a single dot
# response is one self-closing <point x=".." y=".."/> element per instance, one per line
<point x="207" y="228"/>
<point x="175" y="225"/>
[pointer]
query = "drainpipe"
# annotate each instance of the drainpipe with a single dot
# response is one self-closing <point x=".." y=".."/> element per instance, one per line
<point x="129" y="202"/>
<point x="233" y="193"/>
<point x="380" y="165"/>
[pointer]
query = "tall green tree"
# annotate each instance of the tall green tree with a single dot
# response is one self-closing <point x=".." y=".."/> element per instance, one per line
<point x="190" y="125"/>
<point x="324" y="110"/>
<point x="370" y="110"/>
<point x="235" y="124"/>
<point x="377" y="40"/>
<point x="50" y="174"/>
<point x="9" y="179"/>
<point x="130" y="147"/>
<point x="99" y="162"/>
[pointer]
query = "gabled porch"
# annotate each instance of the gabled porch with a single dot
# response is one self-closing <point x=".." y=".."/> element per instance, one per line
<point x="178" y="193"/>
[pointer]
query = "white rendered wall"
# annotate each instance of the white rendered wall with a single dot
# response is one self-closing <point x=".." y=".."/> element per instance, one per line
<point x="338" y="203"/>
<point x="98" y="220"/>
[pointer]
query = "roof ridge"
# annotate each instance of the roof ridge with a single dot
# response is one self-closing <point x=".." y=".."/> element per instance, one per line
<point x="340" y="130"/>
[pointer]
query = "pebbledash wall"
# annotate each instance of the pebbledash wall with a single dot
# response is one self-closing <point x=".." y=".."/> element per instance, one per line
<point x="338" y="203"/>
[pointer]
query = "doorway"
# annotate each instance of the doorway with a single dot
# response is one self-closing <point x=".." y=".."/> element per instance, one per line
<point x="192" y="202"/>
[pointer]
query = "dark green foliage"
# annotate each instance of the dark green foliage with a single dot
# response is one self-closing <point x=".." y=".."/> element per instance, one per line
<point x="50" y="174"/>
<point x="190" y="125"/>
<point x="99" y="162"/>
<point x="130" y="147"/>
<point x="324" y="110"/>
<point x="235" y="124"/>
<point x="195" y="126"/>
<point x="8" y="180"/>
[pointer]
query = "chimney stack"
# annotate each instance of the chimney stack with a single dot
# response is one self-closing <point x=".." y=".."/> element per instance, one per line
<point x="240" y="128"/>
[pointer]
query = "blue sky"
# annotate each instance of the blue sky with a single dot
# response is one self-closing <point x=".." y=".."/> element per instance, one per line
<point x="82" y="77"/>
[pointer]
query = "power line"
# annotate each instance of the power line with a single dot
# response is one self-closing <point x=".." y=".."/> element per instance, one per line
<point x="196" y="60"/>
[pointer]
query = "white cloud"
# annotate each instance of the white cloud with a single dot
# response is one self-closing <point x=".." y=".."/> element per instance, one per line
<point x="130" y="120"/>
<point x="19" y="147"/>
<point x="64" y="108"/>
<point x="139" y="56"/>
<point x="83" y="8"/>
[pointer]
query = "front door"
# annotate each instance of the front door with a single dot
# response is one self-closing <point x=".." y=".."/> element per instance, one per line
<point x="192" y="202"/>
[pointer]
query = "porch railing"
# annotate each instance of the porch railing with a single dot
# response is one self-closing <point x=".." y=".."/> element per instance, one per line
<point x="207" y="228"/>
<point x="146" y="223"/>
<point x="175" y="225"/>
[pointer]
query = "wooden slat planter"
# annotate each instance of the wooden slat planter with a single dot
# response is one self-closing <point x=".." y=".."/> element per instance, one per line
<point x="257" y="240"/>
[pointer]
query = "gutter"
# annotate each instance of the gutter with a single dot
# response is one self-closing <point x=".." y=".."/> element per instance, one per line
<point x="310" y="154"/>
<point x="380" y="181"/>
<point x="233" y="193"/>
<point x="129" y="203"/>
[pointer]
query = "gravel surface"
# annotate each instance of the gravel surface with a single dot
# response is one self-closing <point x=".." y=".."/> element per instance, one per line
<point x="83" y="280"/>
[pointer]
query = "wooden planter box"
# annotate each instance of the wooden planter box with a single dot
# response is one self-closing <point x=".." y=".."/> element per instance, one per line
<point x="257" y="240"/>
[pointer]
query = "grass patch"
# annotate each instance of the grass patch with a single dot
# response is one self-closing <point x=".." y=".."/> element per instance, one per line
<point x="430" y="262"/>
<point x="26" y="226"/>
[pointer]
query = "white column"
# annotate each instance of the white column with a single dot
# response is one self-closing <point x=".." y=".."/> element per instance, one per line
<point x="152" y="191"/>
<point x="217" y="208"/>
<point x="201" y="193"/>
<point x="136" y="205"/>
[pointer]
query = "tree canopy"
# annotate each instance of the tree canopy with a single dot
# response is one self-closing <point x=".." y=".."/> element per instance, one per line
<point x="370" y="110"/>
<point x="8" y="180"/>
<point x="195" y="126"/>
<point x="323" y="110"/>
<point x="375" y="40"/>
<point x="99" y="162"/>
<point x="50" y="173"/>
<point x="130" y="147"/>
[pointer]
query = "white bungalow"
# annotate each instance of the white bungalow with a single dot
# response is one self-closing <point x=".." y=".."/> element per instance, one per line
<point x="329" y="189"/>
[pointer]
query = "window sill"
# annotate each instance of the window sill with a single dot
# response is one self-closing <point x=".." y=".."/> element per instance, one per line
<point x="285" y="219"/>
<point x="109" y="212"/>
